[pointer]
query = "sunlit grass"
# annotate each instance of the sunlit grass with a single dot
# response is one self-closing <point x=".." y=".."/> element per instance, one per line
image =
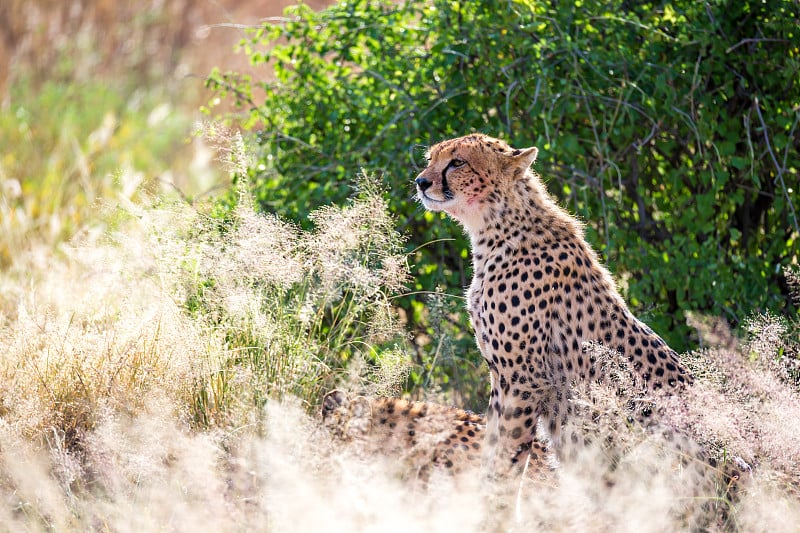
<point x="71" y="147"/>
<point x="302" y="308"/>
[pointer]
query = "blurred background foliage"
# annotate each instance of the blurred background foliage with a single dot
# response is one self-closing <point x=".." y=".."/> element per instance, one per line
<point x="87" y="113"/>
<point x="670" y="128"/>
<point x="98" y="101"/>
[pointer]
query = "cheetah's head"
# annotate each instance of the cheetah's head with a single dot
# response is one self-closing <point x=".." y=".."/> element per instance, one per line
<point x="465" y="174"/>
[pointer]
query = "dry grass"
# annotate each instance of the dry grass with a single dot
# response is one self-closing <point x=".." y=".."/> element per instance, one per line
<point x="98" y="98"/>
<point x="126" y="408"/>
<point x="140" y="40"/>
<point x="136" y="363"/>
<point x="148" y="471"/>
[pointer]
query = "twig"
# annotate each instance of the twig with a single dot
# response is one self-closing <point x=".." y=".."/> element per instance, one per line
<point x="508" y="104"/>
<point x="535" y="96"/>
<point x="692" y="125"/>
<point x="754" y="40"/>
<point x="778" y="168"/>
<point x="230" y="25"/>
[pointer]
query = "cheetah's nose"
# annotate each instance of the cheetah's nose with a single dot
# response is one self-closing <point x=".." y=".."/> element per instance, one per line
<point x="423" y="183"/>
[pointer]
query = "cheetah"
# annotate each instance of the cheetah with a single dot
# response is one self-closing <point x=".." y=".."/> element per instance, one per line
<point x="427" y="436"/>
<point x="539" y="294"/>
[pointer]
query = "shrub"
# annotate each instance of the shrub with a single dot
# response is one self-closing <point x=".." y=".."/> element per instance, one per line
<point x="299" y="312"/>
<point x="670" y="128"/>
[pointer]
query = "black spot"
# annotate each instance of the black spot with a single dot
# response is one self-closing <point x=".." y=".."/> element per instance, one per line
<point x="515" y="300"/>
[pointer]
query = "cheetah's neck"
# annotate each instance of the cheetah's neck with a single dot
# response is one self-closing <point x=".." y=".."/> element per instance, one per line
<point x="536" y="219"/>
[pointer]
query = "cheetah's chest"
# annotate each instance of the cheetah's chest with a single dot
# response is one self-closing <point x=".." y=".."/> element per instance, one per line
<point x="513" y="303"/>
<point x="477" y="317"/>
<point x="491" y="300"/>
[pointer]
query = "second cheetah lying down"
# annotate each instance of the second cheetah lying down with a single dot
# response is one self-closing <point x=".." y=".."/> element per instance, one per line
<point x="424" y="435"/>
<point x="420" y="440"/>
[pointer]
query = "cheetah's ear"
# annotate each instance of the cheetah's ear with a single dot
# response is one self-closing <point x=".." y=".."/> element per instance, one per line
<point x="524" y="158"/>
<point x="360" y="417"/>
<point x="334" y="400"/>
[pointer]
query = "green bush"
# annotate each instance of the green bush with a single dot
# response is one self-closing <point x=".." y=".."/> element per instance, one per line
<point x="670" y="128"/>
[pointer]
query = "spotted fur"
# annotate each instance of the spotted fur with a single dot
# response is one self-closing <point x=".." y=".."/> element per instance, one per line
<point x="426" y="436"/>
<point x="539" y="295"/>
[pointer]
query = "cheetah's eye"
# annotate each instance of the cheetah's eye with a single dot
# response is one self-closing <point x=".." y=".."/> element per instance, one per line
<point x="455" y="163"/>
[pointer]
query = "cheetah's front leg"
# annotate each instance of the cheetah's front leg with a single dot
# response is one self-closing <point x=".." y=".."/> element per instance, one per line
<point x="511" y="435"/>
<point x="511" y="451"/>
